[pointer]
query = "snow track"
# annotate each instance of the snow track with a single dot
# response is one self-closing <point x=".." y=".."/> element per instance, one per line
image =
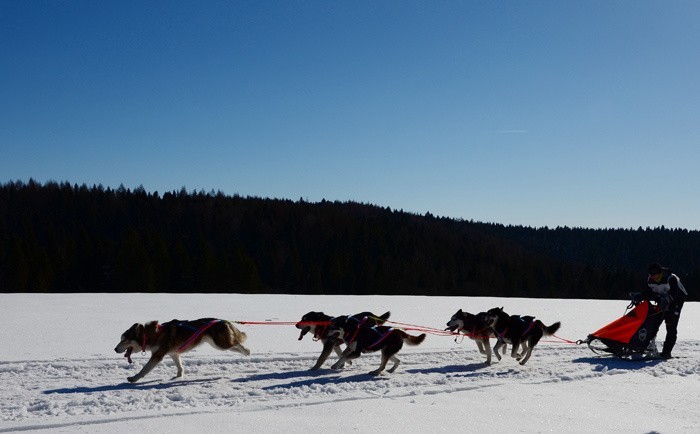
<point x="86" y="391"/>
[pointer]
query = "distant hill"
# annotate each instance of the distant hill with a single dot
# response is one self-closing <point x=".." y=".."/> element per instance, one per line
<point x="70" y="238"/>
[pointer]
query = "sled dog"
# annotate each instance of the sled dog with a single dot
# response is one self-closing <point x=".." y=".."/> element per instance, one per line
<point x="175" y="337"/>
<point x="361" y="338"/>
<point x="319" y="323"/>
<point x="476" y="328"/>
<point x="520" y="331"/>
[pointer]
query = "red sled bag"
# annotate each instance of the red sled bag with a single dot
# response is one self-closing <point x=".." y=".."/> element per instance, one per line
<point x="631" y="335"/>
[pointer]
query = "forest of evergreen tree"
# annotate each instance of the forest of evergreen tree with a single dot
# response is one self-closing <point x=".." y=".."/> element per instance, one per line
<point x="59" y="237"/>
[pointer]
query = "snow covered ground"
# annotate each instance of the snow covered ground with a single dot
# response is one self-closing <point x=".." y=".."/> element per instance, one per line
<point x="59" y="372"/>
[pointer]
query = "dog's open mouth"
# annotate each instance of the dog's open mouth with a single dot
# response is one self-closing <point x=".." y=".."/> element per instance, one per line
<point x="451" y="328"/>
<point x="304" y="331"/>
<point x="127" y="354"/>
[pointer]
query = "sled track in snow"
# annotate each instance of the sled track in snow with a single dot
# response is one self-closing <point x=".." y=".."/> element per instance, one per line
<point x="61" y="393"/>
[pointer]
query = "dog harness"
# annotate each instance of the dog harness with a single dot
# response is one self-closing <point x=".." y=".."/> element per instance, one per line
<point x="159" y="328"/>
<point x="500" y="336"/>
<point x="381" y="338"/>
<point x="529" y="327"/>
<point x="357" y="330"/>
<point x="321" y="330"/>
<point x="196" y="334"/>
<point x="477" y="333"/>
<point x="374" y="329"/>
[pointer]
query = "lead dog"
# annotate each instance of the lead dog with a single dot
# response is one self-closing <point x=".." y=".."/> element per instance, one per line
<point x="175" y="337"/>
<point x="476" y="328"/>
<point x="520" y="331"/>
<point x="319" y="324"/>
<point x="361" y="338"/>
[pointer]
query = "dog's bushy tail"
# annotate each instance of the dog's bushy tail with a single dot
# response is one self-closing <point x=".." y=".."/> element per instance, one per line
<point x="383" y="317"/>
<point x="413" y="340"/>
<point x="549" y="331"/>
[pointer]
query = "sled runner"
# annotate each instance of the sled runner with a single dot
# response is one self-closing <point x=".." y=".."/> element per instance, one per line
<point x="631" y="336"/>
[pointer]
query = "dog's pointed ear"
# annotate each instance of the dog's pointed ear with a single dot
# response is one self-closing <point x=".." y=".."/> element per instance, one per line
<point x="459" y="311"/>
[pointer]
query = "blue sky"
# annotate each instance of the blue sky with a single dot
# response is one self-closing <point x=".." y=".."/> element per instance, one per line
<point x="535" y="113"/>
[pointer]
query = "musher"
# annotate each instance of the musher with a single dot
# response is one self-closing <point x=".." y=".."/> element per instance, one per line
<point x="666" y="288"/>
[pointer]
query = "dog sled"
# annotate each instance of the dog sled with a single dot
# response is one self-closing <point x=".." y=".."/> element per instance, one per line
<point x="632" y="336"/>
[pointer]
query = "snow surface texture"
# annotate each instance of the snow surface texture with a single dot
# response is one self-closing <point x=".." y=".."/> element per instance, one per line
<point x="59" y="371"/>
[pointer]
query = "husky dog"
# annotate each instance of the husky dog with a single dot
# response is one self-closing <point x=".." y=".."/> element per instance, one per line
<point x="519" y="331"/>
<point x="319" y="323"/>
<point x="361" y="338"/>
<point x="475" y="327"/>
<point x="175" y="337"/>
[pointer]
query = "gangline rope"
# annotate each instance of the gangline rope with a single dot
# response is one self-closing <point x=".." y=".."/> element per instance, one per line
<point x="402" y="326"/>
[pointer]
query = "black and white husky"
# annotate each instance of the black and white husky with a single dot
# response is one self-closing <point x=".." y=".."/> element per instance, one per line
<point x="318" y="324"/>
<point x="475" y="327"/>
<point x="519" y="331"/>
<point x="361" y="338"/>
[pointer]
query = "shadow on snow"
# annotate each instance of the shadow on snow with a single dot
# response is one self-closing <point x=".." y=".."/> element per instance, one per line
<point x="610" y="362"/>
<point x="147" y="385"/>
<point x="450" y="369"/>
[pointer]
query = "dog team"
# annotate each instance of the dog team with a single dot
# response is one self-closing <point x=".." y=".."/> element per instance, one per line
<point x="363" y="332"/>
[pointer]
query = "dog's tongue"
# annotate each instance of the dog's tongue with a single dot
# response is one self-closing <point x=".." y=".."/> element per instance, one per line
<point x="127" y="354"/>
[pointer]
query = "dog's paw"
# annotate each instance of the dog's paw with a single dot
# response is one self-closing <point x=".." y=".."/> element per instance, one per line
<point x="375" y="373"/>
<point x="133" y="379"/>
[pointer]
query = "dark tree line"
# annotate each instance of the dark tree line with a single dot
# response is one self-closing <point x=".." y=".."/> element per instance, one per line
<point x="70" y="238"/>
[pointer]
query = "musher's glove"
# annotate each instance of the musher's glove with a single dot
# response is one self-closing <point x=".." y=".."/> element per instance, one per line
<point x="665" y="300"/>
<point x="636" y="297"/>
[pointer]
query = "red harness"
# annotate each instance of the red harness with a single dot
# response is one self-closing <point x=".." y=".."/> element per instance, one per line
<point x="159" y="329"/>
<point x="381" y="338"/>
<point x="320" y="331"/>
<point x="197" y="334"/>
<point x="357" y="330"/>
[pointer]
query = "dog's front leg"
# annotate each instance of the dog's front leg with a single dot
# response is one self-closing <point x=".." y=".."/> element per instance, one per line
<point x="524" y="348"/>
<point x="480" y="346"/>
<point x="348" y="355"/>
<point x="241" y="349"/>
<point x="339" y="352"/>
<point x="487" y="349"/>
<point x="339" y="364"/>
<point x="152" y="362"/>
<point x="516" y="346"/>
<point x="328" y="346"/>
<point x="497" y="347"/>
<point x="528" y="353"/>
<point x="178" y="365"/>
<point x="343" y="358"/>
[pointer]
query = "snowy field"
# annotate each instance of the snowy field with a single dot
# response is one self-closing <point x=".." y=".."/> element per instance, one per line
<point x="59" y="371"/>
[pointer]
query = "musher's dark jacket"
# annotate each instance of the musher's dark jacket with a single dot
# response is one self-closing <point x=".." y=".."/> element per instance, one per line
<point x="669" y="284"/>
